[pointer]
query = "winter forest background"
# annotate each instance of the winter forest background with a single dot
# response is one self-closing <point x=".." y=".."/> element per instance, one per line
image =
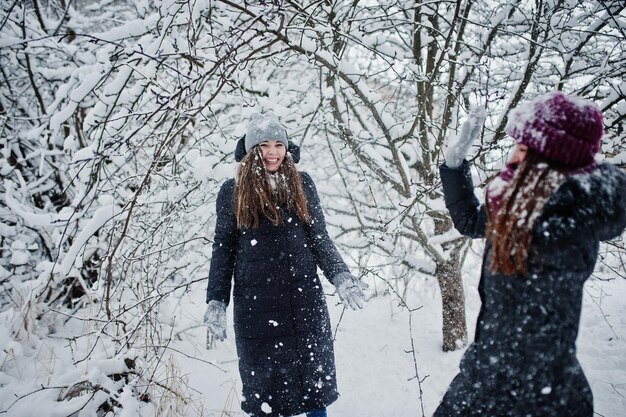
<point x="118" y="122"/>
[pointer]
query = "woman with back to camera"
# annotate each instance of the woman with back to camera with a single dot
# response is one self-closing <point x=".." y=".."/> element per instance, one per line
<point x="270" y="235"/>
<point x="543" y="219"/>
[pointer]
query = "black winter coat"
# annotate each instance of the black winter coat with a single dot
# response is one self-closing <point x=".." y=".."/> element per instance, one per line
<point x="282" y="328"/>
<point x="523" y="359"/>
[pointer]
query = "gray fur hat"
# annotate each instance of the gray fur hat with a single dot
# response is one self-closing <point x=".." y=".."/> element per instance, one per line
<point x="262" y="127"/>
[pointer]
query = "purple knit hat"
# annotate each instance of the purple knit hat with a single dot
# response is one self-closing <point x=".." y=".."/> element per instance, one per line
<point x="562" y="128"/>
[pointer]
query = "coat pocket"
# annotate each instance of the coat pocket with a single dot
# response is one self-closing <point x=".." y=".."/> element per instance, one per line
<point x="267" y="350"/>
<point x="265" y="273"/>
<point x="265" y="324"/>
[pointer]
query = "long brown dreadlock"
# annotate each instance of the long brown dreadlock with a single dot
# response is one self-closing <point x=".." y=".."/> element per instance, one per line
<point x="522" y="203"/>
<point x="255" y="197"/>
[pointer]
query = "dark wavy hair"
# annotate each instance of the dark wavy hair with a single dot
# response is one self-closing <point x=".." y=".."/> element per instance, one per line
<point x="255" y="197"/>
<point x="510" y="228"/>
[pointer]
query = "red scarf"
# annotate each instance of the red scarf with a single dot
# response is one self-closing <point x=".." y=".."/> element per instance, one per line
<point x="498" y="185"/>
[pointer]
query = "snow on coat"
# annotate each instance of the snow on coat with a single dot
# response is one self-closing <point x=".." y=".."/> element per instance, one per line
<point x="523" y="359"/>
<point x="282" y="328"/>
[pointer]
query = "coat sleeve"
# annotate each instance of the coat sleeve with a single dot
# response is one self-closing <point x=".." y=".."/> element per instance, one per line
<point x="468" y="215"/>
<point x="224" y="246"/>
<point x="326" y="255"/>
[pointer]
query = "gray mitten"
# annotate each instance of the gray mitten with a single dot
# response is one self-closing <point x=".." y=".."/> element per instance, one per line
<point x="470" y="129"/>
<point x="215" y="319"/>
<point x="350" y="290"/>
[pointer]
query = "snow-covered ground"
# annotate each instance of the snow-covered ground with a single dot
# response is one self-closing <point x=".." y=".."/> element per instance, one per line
<point x="375" y="366"/>
<point x="376" y="369"/>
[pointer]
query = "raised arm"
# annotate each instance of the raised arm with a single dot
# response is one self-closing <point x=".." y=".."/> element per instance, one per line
<point x="467" y="214"/>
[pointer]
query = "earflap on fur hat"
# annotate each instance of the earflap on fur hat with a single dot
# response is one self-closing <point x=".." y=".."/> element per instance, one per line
<point x="294" y="150"/>
<point x="565" y="129"/>
<point x="240" y="150"/>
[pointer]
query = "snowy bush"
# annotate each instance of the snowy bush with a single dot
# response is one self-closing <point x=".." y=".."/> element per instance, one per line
<point x="118" y="123"/>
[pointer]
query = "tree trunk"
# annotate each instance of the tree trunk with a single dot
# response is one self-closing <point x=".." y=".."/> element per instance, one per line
<point x="453" y="307"/>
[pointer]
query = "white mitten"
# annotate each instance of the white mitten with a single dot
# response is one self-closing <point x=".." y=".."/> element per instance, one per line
<point x="215" y="319"/>
<point x="350" y="290"/>
<point x="470" y="129"/>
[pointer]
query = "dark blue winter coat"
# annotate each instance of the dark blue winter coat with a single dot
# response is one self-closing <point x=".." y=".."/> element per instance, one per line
<point x="282" y="329"/>
<point x="523" y="359"/>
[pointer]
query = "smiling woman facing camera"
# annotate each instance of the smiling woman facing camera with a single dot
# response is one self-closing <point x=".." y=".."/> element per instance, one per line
<point x="270" y="236"/>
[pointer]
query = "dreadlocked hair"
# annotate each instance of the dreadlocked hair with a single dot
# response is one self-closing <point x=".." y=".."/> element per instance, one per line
<point x="256" y="197"/>
<point x="510" y="228"/>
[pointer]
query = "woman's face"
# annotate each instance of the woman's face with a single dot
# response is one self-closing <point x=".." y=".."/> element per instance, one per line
<point x="518" y="154"/>
<point x="273" y="153"/>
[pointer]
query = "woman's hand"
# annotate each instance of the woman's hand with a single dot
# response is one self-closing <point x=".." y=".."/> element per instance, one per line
<point x="215" y="319"/>
<point x="457" y="149"/>
<point x="350" y="290"/>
